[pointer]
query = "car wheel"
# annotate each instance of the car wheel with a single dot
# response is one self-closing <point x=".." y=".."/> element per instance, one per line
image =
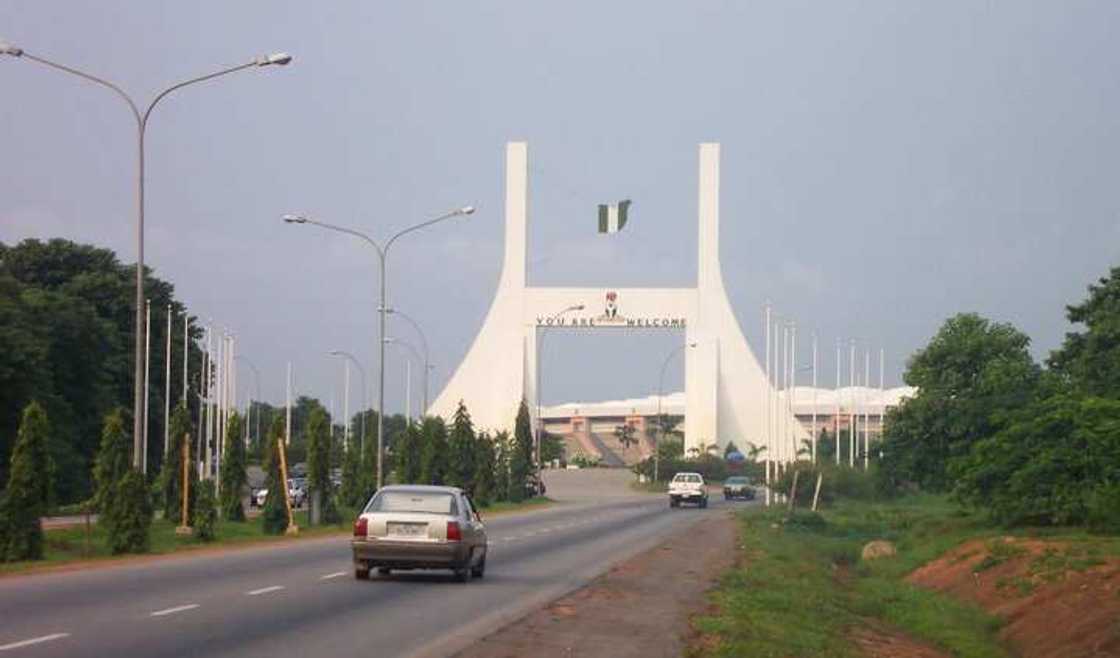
<point x="361" y="573"/>
<point x="479" y="570"/>
<point x="384" y="571"/>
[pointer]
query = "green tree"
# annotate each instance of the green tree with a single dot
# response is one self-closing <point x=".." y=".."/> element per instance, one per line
<point x="970" y="372"/>
<point x="206" y="512"/>
<point x="122" y="492"/>
<point x="461" y="450"/>
<point x="407" y="455"/>
<point x="352" y="491"/>
<point x="171" y="475"/>
<point x="502" y="450"/>
<point x="275" y="512"/>
<point x="484" y="463"/>
<point x="433" y="454"/>
<point x="368" y="479"/>
<point x="319" y="465"/>
<point x="552" y="447"/>
<point x="521" y="455"/>
<point x="1054" y="462"/>
<point x="1091" y="358"/>
<point x="234" y="477"/>
<point x="27" y="494"/>
<point x="113" y="461"/>
<point x="129" y="518"/>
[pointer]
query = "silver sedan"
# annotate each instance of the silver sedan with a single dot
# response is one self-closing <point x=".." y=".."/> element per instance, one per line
<point x="419" y="527"/>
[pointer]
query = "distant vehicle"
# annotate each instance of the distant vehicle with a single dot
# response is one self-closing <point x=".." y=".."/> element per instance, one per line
<point x="259" y="497"/>
<point x="688" y="488"/>
<point x="738" y="486"/>
<point x="419" y="527"/>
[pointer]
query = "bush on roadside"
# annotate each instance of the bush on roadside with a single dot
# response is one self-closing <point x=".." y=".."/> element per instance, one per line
<point x="837" y="482"/>
<point x="129" y="516"/>
<point x="206" y="512"/>
<point x="274" y="517"/>
<point x="27" y="494"/>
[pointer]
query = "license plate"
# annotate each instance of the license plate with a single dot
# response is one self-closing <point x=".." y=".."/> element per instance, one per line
<point x="407" y="529"/>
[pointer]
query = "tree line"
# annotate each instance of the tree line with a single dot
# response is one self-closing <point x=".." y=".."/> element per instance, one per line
<point x="1029" y="443"/>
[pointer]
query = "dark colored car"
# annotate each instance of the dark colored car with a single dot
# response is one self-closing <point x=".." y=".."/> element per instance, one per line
<point x="738" y="487"/>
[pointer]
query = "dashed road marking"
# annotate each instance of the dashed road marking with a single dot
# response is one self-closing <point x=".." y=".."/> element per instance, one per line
<point x="332" y="575"/>
<point x="171" y="611"/>
<point x="265" y="590"/>
<point x="34" y="640"/>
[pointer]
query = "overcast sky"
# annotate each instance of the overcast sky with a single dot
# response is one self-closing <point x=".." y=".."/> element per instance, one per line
<point x="885" y="164"/>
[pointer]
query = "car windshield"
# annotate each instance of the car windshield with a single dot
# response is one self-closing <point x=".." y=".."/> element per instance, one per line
<point x="422" y="502"/>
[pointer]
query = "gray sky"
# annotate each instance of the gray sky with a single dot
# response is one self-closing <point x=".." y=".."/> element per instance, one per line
<point x="885" y="164"/>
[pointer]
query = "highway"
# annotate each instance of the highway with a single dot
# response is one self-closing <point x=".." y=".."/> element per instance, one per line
<point x="302" y="599"/>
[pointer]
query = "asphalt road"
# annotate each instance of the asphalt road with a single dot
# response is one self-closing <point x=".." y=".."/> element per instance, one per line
<point x="302" y="599"/>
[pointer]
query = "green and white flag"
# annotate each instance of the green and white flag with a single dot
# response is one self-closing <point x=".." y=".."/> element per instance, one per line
<point x="613" y="217"/>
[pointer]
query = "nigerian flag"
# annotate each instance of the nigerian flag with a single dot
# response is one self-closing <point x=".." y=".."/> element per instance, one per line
<point x="613" y="217"/>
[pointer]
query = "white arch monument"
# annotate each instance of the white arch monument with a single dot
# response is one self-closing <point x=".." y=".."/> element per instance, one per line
<point x="725" y="388"/>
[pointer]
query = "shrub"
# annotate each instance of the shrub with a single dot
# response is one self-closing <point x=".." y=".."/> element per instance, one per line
<point x="234" y="477"/>
<point x="1103" y="508"/>
<point x="838" y="482"/>
<point x="27" y="493"/>
<point x="129" y="515"/>
<point x="274" y="519"/>
<point x="206" y="512"/>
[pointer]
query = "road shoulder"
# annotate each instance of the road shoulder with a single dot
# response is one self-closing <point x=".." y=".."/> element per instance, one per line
<point x="640" y="607"/>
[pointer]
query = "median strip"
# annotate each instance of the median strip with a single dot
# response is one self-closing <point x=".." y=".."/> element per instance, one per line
<point x="171" y="611"/>
<point x="264" y="590"/>
<point x="34" y="640"/>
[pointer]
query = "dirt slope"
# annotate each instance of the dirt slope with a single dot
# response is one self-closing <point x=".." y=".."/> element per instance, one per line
<point x="1059" y="599"/>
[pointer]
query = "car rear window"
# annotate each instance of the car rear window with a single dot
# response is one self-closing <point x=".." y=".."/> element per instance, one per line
<point x="422" y="502"/>
<point x="737" y="480"/>
<point x="687" y="478"/>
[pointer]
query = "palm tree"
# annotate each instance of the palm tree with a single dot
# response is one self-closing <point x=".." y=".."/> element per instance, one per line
<point x="625" y="434"/>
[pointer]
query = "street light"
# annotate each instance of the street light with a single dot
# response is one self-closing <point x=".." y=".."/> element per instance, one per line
<point x="424" y="345"/>
<point x="362" y="371"/>
<point x="660" y="419"/>
<point x="139" y="402"/>
<point x="382" y="256"/>
<point x="540" y="343"/>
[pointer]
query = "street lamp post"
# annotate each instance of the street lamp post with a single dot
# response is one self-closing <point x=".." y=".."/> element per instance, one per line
<point x="540" y="344"/>
<point x="660" y="419"/>
<point x="361" y="371"/>
<point x="139" y="404"/>
<point x="424" y="346"/>
<point x="382" y="255"/>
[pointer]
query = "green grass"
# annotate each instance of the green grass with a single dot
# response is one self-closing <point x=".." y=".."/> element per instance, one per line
<point x="802" y="587"/>
<point x="69" y="545"/>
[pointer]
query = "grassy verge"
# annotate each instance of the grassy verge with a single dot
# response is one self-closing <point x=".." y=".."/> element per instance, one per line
<point x="69" y="545"/>
<point x="803" y="588"/>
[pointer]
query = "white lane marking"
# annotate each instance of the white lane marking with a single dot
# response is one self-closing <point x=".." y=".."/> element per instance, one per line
<point x="171" y="611"/>
<point x="265" y="590"/>
<point x="336" y="574"/>
<point x="34" y="640"/>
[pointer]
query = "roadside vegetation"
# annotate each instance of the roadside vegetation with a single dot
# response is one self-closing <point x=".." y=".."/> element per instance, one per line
<point x="999" y="471"/>
<point x="65" y="444"/>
